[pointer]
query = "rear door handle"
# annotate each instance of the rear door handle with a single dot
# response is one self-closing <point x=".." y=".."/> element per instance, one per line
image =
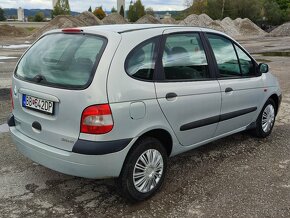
<point x="229" y="89"/>
<point x="170" y="96"/>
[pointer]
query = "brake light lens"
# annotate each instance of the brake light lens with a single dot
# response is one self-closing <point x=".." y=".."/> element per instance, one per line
<point x="11" y="97"/>
<point x="71" y="30"/>
<point x="97" y="119"/>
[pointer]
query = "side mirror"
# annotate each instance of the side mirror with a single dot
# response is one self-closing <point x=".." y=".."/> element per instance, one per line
<point x="263" y="68"/>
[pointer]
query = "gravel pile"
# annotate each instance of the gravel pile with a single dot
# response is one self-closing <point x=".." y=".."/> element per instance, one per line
<point x="205" y="19"/>
<point x="238" y="27"/>
<point x="7" y="30"/>
<point x="216" y="25"/>
<point x="89" y="19"/>
<point x="230" y="27"/>
<point x="202" y="20"/>
<point x="148" y="19"/>
<point x="114" y="18"/>
<point x="60" y="22"/>
<point x="247" y="28"/>
<point x="191" y="20"/>
<point x="169" y="21"/>
<point x="283" y="30"/>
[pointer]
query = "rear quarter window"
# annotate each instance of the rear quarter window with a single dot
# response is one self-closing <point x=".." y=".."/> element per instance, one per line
<point x="62" y="60"/>
<point x="140" y="63"/>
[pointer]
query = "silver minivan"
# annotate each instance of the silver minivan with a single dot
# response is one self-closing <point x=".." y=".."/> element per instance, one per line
<point x="117" y="101"/>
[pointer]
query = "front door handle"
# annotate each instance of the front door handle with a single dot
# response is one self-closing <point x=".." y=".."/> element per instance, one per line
<point x="170" y="96"/>
<point x="229" y="89"/>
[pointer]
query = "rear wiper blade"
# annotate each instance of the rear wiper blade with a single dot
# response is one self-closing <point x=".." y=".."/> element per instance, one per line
<point x="39" y="78"/>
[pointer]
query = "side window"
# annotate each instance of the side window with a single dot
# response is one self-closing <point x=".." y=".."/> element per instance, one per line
<point x="225" y="55"/>
<point x="247" y="66"/>
<point x="184" y="58"/>
<point x="140" y="63"/>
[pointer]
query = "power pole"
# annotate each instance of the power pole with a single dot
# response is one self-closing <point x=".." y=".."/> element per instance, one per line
<point x="223" y="9"/>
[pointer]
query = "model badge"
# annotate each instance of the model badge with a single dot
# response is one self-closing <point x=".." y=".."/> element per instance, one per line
<point x="67" y="140"/>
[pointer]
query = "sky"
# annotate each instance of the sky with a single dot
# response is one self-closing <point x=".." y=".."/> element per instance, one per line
<point x="83" y="5"/>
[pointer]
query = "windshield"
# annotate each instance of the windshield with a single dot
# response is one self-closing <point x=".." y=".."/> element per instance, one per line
<point x="62" y="60"/>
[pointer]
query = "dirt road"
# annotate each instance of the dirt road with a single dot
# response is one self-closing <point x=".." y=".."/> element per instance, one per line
<point x="238" y="176"/>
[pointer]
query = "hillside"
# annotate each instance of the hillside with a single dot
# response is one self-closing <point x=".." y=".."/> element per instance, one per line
<point x="9" y="12"/>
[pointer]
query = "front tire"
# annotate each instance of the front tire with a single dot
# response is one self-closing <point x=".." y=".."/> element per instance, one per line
<point x="144" y="170"/>
<point x="266" y="119"/>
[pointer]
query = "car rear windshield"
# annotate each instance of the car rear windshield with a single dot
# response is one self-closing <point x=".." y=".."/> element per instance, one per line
<point x="62" y="60"/>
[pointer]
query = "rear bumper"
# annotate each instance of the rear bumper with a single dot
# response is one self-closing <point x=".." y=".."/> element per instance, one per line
<point x="87" y="166"/>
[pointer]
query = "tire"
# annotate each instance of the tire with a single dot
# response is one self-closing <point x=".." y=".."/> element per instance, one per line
<point x="154" y="174"/>
<point x="266" y="120"/>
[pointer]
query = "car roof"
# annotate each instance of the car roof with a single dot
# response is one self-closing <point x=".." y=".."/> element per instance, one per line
<point x="126" y="28"/>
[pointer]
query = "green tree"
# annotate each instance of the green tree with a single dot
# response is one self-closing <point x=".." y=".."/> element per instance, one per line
<point x="30" y="18"/>
<point x="99" y="13"/>
<point x="140" y="9"/>
<point x="219" y="9"/>
<point x="132" y="13"/>
<point x="90" y="9"/>
<point x="113" y="10"/>
<point x="283" y="4"/>
<point x="2" y="15"/>
<point x="215" y="9"/>
<point x="39" y="17"/>
<point x="199" y="6"/>
<point x="136" y="11"/>
<point x="150" y="11"/>
<point x="61" y="8"/>
<point x="272" y="12"/>
<point x="122" y="12"/>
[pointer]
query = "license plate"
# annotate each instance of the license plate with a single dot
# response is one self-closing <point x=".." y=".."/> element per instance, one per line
<point x="37" y="104"/>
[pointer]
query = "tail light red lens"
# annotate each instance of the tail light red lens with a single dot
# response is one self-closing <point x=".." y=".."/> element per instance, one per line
<point x="11" y="96"/>
<point x="71" y="30"/>
<point x="97" y="119"/>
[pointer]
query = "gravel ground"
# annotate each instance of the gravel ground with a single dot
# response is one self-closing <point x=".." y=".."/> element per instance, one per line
<point x="238" y="176"/>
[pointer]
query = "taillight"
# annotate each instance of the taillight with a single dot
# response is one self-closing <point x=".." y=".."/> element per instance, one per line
<point x="11" y="96"/>
<point x="72" y="30"/>
<point x="97" y="119"/>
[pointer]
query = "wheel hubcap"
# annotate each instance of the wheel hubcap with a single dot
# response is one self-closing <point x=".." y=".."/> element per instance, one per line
<point x="268" y="118"/>
<point x="148" y="170"/>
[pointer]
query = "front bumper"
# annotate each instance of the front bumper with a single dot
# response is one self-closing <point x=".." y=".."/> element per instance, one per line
<point x="87" y="166"/>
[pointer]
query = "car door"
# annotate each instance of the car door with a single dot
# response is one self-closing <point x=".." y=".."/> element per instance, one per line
<point x="241" y="87"/>
<point x="187" y="93"/>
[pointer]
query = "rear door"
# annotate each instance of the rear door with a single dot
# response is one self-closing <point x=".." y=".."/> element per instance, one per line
<point x="241" y="87"/>
<point x="188" y="94"/>
<point x="52" y="86"/>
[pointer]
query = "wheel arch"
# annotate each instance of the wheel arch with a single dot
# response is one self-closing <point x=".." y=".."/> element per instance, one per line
<point x="162" y="135"/>
<point x="275" y="98"/>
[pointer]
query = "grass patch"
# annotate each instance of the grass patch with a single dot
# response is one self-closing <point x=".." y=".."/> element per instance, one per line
<point x="30" y="29"/>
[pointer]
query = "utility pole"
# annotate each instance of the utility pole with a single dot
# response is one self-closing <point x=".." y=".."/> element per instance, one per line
<point x="223" y="9"/>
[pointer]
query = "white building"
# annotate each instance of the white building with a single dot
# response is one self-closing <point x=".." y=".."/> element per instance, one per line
<point x="54" y="3"/>
<point x="20" y="14"/>
<point x="167" y="15"/>
<point x="120" y="3"/>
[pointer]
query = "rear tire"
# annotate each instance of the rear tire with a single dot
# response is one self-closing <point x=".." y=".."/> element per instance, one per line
<point x="144" y="170"/>
<point x="266" y="120"/>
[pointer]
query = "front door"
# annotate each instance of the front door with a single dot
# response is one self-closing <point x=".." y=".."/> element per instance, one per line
<point x="241" y="88"/>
